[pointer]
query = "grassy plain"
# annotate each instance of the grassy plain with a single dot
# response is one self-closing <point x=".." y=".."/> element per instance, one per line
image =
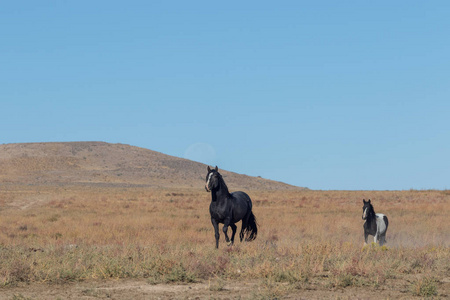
<point x="309" y="242"/>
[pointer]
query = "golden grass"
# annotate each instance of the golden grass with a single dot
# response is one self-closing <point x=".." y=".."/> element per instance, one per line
<point x="306" y="238"/>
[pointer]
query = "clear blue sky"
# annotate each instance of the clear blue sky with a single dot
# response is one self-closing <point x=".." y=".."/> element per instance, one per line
<point x="321" y="94"/>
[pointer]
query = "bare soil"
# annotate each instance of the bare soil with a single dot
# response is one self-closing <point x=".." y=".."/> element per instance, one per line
<point x="141" y="289"/>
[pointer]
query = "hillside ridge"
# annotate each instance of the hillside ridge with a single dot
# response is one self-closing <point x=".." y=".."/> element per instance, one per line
<point x="102" y="163"/>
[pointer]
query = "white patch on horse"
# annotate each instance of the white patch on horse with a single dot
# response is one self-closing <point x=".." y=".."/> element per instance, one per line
<point x="381" y="226"/>
<point x="209" y="178"/>
<point x="365" y="213"/>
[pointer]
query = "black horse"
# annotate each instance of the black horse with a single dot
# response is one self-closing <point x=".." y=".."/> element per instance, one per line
<point x="229" y="209"/>
<point x="376" y="224"/>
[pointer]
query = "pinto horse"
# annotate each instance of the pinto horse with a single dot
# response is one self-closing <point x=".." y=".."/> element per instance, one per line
<point x="376" y="224"/>
<point x="229" y="208"/>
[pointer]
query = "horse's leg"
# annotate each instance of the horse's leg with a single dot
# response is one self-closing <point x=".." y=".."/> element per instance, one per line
<point x="216" y="231"/>
<point x="382" y="239"/>
<point x="375" y="238"/>
<point x="233" y="227"/>
<point x="226" y="223"/>
<point x="366" y="235"/>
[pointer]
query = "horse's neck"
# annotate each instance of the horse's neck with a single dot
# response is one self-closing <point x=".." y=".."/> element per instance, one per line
<point x="372" y="217"/>
<point x="221" y="194"/>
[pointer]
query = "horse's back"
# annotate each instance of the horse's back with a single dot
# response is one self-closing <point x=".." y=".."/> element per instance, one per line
<point x="241" y="196"/>
<point x="382" y="223"/>
<point x="241" y="204"/>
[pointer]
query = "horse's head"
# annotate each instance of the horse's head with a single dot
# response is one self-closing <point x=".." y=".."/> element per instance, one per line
<point x="212" y="179"/>
<point x="367" y="209"/>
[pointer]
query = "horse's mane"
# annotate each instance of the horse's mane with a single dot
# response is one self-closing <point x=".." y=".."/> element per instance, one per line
<point x="371" y="210"/>
<point x="222" y="183"/>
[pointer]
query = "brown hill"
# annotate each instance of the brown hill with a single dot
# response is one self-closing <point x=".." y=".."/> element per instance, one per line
<point x="99" y="163"/>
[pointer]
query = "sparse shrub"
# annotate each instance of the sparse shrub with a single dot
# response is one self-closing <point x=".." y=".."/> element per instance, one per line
<point x="270" y="290"/>
<point x="54" y="218"/>
<point x="57" y="235"/>
<point x="290" y="276"/>
<point x="420" y="263"/>
<point x="285" y="276"/>
<point x="345" y="280"/>
<point x="217" y="285"/>
<point x="222" y="263"/>
<point x="68" y="275"/>
<point x="424" y="287"/>
<point x="203" y="269"/>
<point x="20" y="297"/>
<point x="20" y="271"/>
<point x="354" y="268"/>
<point x="179" y="274"/>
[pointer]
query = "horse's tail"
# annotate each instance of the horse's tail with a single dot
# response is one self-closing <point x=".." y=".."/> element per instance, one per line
<point x="251" y="230"/>
<point x="386" y="222"/>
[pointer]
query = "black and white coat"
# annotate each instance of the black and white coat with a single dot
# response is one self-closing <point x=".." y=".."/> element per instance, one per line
<point x="376" y="224"/>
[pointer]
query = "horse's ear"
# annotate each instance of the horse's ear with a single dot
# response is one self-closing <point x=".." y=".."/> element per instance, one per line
<point x="209" y="169"/>
<point x="369" y="200"/>
<point x="364" y="201"/>
<point x="217" y="169"/>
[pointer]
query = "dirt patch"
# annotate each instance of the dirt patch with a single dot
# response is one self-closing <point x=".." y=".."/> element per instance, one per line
<point x="142" y="289"/>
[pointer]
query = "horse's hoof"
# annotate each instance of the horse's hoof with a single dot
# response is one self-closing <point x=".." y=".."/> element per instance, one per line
<point x="230" y="243"/>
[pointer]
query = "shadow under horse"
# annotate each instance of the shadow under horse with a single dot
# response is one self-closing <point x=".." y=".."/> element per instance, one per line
<point x="229" y="208"/>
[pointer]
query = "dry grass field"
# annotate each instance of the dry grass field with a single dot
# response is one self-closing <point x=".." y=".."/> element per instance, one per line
<point x="86" y="242"/>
